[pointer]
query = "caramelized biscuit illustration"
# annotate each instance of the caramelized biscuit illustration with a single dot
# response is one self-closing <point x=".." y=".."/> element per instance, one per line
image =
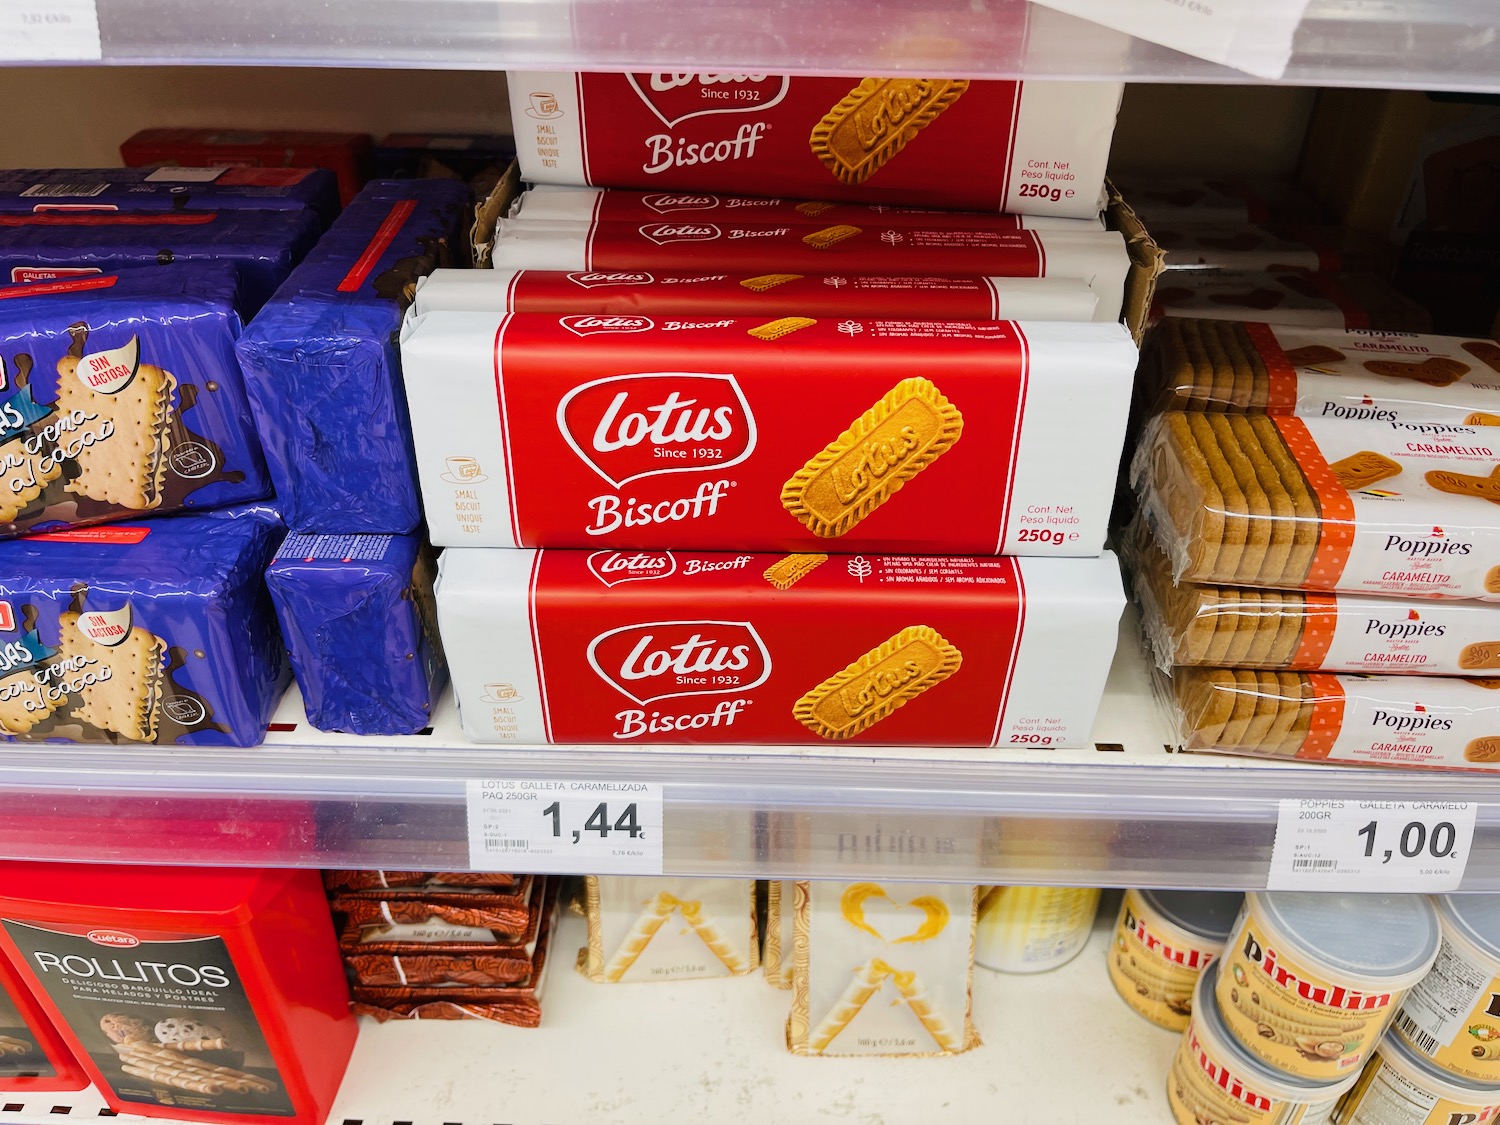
<point x="1485" y="749"/>
<point x="906" y="431"/>
<point x="1465" y="484"/>
<point x="1480" y="418"/>
<point x="784" y="326"/>
<point x="786" y="573"/>
<point x="830" y="236"/>
<point x="1360" y="470"/>
<point x="1435" y="371"/>
<point x="768" y="281"/>
<point x="887" y="677"/>
<point x="814" y="207"/>
<point x="1314" y="355"/>
<point x="1486" y="352"/>
<point x="876" y="120"/>
<point x="1480" y="656"/>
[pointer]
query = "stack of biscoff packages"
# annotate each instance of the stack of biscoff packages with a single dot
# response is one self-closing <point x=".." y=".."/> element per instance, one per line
<point x="445" y="945"/>
<point x="1316" y="548"/>
<point x="739" y="443"/>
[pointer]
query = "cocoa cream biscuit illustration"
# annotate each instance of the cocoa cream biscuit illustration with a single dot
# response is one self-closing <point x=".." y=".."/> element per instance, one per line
<point x="873" y="122"/>
<point x="889" y="676"/>
<point x="1486" y="352"/>
<point x="662" y="908"/>
<point x="27" y="698"/>
<point x="1362" y="469"/>
<point x="768" y="281"/>
<point x="782" y="326"/>
<point x="906" y="431"/>
<point x="786" y="573"/>
<point x="1435" y="371"/>
<point x="128" y="467"/>
<point x="127" y="700"/>
<point x="28" y="464"/>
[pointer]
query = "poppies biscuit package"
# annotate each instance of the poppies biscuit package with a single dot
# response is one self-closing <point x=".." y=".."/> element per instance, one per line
<point x="322" y="367"/>
<point x="681" y="646"/>
<point x="1098" y="257"/>
<point x="882" y="970"/>
<point x="206" y="994"/>
<point x="608" y="293"/>
<point x="1303" y="300"/>
<point x="1026" y="147"/>
<point x="361" y="630"/>
<point x="222" y="188"/>
<point x="1217" y="247"/>
<point x="263" y="246"/>
<point x="583" y="204"/>
<point x="1185" y="200"/>
<point x="156" y="632"/>
<point x="792" y="433"/>
<point x="120" y="395"/>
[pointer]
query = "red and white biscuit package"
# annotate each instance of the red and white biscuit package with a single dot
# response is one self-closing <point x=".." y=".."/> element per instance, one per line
<point x="1026" y="147"/>
<point x="681" y="646"/>
<point x="614" y="292"/>
<point x="1097" y="257"/>
<point x="554" y="202"/>
<point x="793" y="434"/>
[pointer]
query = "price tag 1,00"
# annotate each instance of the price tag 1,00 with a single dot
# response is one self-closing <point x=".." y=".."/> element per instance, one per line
<point x="1388" y="846"/>
<point x="566" y="827"/>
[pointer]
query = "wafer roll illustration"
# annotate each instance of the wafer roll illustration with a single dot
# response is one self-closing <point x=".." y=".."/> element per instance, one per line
<point x="218" y="1044"/>
<point x="717" y="943"/>
<point x="1486" y="1051"/>
<point x="922" y="1007"/>
<point x="862" y="986"/>
<point x="646" y="927"/>
<point x="193" y="1085"/>
<point x="9" y="1045"/>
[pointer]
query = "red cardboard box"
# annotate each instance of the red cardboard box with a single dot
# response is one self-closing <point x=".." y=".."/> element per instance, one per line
<point x="32" y="1054"/>
<point x="347" y="155"/>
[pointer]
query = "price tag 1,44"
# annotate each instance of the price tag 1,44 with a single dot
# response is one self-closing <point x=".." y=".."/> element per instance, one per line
<point x="1387" y="846"/>
<point x="566" y="827"/>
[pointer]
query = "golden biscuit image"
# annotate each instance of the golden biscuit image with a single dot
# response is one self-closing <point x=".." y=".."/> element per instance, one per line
<point x="1480" y="418"/>
<point x="1486" y="749"/>
<point x="1360" y="470"/>
<point x="876" y="120"/>
<point x="127" y="701"/>
<point x="786" y="573"/>
<point x="784" y="326"/>
<point x="1480" y="656"/>
<point x="1486" y="352"/>
<point x="1435" y="371"/>
<point x="25" y="702"/>
<point x="814" y="207"/>
<point x="1492" y="580"/>
<point x="25" y="476"/>
<point x="830" y="236"/>
<point x="887" y="677"/>
<point x="1314" y="355"/>
<point x="768" y="281"/>
<point x="890" y="443"/>
<point x="1465" y="484"/>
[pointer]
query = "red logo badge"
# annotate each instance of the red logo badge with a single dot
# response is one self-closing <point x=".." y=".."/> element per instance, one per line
<point x="595" y="280"/>
<point x="631" y="426"/>
<point x="615" y="567"/>
<point x="663" y="233"/>
<point x="664" y="659"/>
<point x="591" y="325"/>
<point x="678" y="97"/>
<point x="117" y="939"/>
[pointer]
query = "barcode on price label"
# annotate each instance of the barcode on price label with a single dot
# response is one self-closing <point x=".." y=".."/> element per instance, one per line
<point x="565" y="827"/>
<point x="1376" y="846"/>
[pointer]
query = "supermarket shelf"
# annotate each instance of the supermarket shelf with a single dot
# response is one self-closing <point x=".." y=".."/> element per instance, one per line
<point x="1125" y="812"/>
<point x="1428" y="44"/>
<point x="714" y="1051"/>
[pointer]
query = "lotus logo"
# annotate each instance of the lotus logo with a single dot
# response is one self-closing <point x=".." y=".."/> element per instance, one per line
<point x="664" y="659"/>
<point x="678" y="97"/>
<point x="595" y="280"/>
<point x="116" y="939"/>
<point x="632" y="426"/>
<point x="663" y="233"/>
<point x="664" y="204"/>
<point x="594" y="325"/>
<point x="615" y="567"/>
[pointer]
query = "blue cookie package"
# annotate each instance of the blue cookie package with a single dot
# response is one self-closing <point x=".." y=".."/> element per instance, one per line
<point x="322" y="365"/>
<point x="120" y="395"/>
<point x="158" y="632"/>
<point x="40" y="190"/>
<point x="357" y="615"/>
<point x="262" y="245"/>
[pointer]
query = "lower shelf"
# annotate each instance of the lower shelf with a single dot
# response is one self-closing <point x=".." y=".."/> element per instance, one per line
<point x="1058" y="1047"/>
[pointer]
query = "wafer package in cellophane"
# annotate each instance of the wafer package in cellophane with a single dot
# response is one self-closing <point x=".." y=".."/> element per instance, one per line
<point x="651" y="928"/>
<point x="882" y="969"/>
<point x="1391" y="508"/>
<point x="778" y="941"/>
<point x="1189" y="623"/>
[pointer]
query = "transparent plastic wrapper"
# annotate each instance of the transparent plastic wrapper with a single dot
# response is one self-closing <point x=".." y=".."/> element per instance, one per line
<point x="1188" y="623"/>
<point x="380" y="880"/>
<point x="507" y="911"/>
<point x="609" y="293"/>
<point x="1409" y="721"/>
<point x="1165" y="201"/>
<point x="1400" y="509"/>
<point x="1358" y="374"/>
<point x="648" y="928"/>
<point x="583" y="204"/>
<point x="1274" y="248"/>
<point x="1308" y="300"/>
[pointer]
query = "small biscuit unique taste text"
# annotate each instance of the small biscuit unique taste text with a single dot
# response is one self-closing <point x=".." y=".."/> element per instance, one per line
<point x="871" y="689"/>
<point x="830" y="236"/>
<point x="784" y="326"/>
<point x="1435" y="370"/>
<point x="786" y="573"/>
<point x="902" y="434"/>
<point x="1361" y="470"/>
<point x="1486" y="352"/>
<point x="876" y="120"/>
<point x="1486" y="749"/>
<point x="1465" y="484"/>
<point x="768" y="281"/>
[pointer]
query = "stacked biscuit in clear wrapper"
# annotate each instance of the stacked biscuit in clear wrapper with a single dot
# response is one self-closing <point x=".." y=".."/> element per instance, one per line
<point x="446" y="945"/>
<point x="1316" y="544"/>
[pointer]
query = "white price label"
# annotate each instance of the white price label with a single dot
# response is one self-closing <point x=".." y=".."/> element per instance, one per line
<point x="1386" y="846"/>
<point x="566" y="827"/>
<point x="49" y="31"/>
